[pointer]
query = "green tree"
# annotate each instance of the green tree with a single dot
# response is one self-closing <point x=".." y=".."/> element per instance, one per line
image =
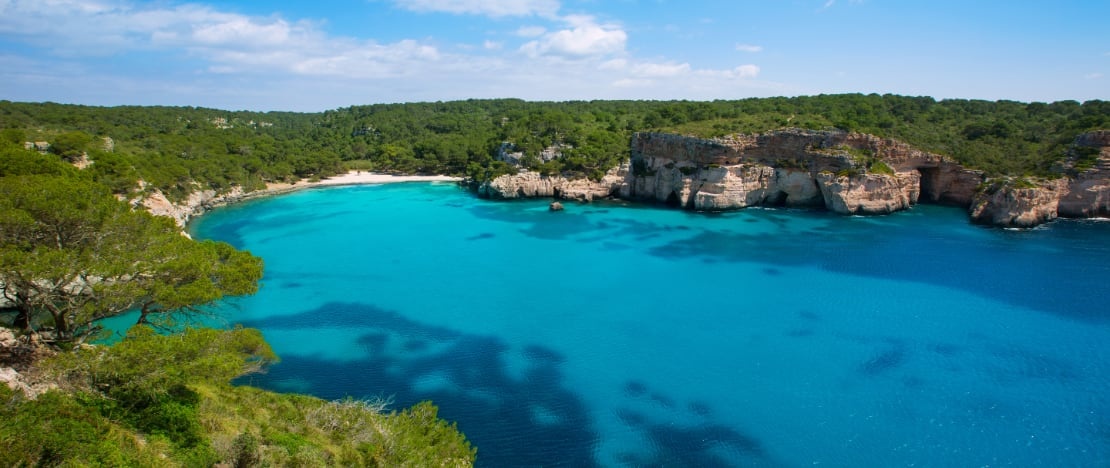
<point x="71" y="145"/>
<point x="71" y="254"/>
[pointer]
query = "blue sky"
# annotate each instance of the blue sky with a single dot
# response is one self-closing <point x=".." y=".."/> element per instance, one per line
<point x="325" y="54"/>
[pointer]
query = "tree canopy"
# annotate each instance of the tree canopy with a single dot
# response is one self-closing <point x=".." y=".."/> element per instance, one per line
<point x="166" y="400"/>
<point x="181" y="149"/>
<point x="71" y="254"/>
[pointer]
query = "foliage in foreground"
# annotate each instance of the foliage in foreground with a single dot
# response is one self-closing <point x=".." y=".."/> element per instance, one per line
<point x="165" y="400"/>
<point x="71" y="254"/>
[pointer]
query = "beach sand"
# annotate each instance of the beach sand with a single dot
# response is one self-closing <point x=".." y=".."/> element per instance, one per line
<point x="358" y="178"/>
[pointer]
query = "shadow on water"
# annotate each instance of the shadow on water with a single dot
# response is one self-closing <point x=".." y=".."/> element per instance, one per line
<point x="524" y="418"/>
<point x="688" y="435"/>
<point x="929" y="244"/>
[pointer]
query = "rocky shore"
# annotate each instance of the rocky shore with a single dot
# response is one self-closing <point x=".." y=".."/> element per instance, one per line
<point x="201" y="202"/>
<point x="848" y="173"/>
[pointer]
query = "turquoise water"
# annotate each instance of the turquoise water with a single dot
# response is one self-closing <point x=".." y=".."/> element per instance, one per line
<point x="622" y="335"/>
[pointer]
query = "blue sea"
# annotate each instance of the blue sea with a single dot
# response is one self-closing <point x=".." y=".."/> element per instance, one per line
<point x="615" y="334"/>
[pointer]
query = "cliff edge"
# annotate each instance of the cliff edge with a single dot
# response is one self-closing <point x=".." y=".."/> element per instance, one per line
<point x="848" y="173"/>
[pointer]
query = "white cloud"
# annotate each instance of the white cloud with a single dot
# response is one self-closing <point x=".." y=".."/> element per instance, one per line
<point x="749" y="48"/>
<point x="632" y="83"/>
<point x="1093" y="76"/>
<point x="231" y="60"/>
<point x="243" y="30"/>
<point x="742" y="72"/>
<point x="584" y="38"/>
<point x="614" y="64"/>
<point x="493" y="8"/>
<point x="531" y="31"/>
<point x="658" y="70"/>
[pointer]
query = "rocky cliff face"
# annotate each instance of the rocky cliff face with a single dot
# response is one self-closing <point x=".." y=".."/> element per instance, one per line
<point x="849" y="173"/>
<point x="196" y="204"/>
<point x="1088" y="193"/>
<point x="531" y="185"/>
<point x="794" y="168"/>
<point x="1002" y="204"/>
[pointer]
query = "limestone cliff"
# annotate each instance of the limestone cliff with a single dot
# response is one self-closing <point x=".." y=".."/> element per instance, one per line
<point x="794" y="168"/>
<point x="849" y="173"/>
<point x="1004" y="203"/>
<point x="195" y="205"/>
<point x="1088" y="193"/>
<point x="529" y="184"/>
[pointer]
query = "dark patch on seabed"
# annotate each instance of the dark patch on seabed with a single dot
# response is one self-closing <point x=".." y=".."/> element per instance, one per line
<point x="494" y="409"/>
<point x="671" y="442"/>
<point x="1003" y="266"/>
<point x="883" y="362"/>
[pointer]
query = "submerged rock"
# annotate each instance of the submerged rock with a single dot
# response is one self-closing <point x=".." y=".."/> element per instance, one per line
<point x="555" y="206"/>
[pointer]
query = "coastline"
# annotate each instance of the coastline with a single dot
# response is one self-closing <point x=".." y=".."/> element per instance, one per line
<point x="354" y="178"/>
<point x="201" y="202"/>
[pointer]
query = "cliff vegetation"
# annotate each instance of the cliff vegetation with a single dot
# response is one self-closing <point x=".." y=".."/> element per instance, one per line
<point x="178" y="150"/>
<point x="71" y="254"/>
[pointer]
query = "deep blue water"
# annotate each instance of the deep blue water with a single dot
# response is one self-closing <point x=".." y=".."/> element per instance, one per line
<point x="613" y="334"/>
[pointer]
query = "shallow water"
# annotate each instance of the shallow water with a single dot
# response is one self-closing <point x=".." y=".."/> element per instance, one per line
<point x="613" y="334"/>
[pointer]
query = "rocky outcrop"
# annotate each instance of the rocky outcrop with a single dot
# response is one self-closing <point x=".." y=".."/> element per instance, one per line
<point x="1004" y="204"/>
<point x="15" y="354"/>
<point x="1088" y="192"/>
<point x="869" y="193"/>
<point x="794" y="168"/>
<point x="196" y="204"/>
<point x="528" y="184"/>
<point x="849" y="173"/>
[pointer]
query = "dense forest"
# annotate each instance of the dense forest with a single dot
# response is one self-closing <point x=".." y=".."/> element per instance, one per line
<point x="178" y="149"/>
<point x="71" y="254"/>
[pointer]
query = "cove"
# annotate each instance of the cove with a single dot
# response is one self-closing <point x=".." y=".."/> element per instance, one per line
<point x="623" y="335"/>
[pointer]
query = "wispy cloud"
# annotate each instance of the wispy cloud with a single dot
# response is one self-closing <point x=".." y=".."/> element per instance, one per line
<point x="584" y="37"/>
<point x="749" y="48"/>
<point x="492" y="8"/>
<point x="1093" y="76"/>
<point x="531" y="31"/>
<point x="831" y="3"/>
<point x="230" y="60"/>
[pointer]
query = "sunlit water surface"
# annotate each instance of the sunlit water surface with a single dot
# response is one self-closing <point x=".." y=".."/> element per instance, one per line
<point x="613" y="334"/>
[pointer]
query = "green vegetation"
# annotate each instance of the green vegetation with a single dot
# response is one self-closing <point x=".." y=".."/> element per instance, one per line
<point x="165" y="400"/>
<point x="879" y="167"/>
<point x="181" y="149"/>
<point x="70" y="254"/>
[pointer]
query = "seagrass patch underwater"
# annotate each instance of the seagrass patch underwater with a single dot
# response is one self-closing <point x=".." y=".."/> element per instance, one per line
<point x="613" y="334"/>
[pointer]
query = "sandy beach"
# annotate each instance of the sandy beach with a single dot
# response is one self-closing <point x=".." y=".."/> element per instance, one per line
<point x="200" y="202"/>
<point x="358" y="178"/>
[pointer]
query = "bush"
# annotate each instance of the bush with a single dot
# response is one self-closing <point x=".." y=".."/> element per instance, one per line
<point x="879" y="167"/>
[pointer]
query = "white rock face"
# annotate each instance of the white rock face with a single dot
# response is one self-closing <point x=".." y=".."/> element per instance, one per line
<point x="869" y="193"/>
<point x="1018" y="207"/>
<point x="533" y="185"/>
<point x="797" y="168"/>
<point x="196" y="204"/>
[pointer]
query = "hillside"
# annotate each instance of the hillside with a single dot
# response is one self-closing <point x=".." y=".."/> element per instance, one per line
<point x="180" y="149"/>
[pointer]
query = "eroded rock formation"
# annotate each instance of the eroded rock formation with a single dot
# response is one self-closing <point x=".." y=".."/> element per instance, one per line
<point x="844" y="172"/>
<point x="1088" y="192"/>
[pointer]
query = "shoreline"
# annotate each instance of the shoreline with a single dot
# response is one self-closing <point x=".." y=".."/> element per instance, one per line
<point x="350" y="178"/>
<point x="355" y="178"/>
<point x="200" y="203"/>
